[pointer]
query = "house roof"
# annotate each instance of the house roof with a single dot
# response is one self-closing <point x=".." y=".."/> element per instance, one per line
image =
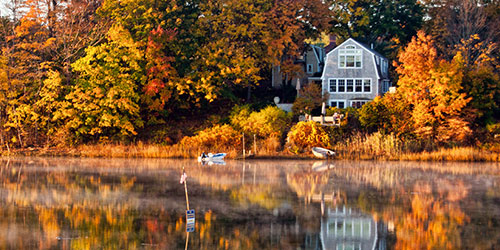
<point x="364" y="46"/>
<point x="330" y="47"/>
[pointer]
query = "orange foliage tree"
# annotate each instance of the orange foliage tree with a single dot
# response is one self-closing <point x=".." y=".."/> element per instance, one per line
<point x="431" y="88"/>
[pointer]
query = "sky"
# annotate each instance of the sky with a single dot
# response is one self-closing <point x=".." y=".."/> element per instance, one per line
<point x="3" y="9"/>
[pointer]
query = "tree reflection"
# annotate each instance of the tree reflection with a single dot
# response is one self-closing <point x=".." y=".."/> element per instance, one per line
<point x="48" y="205"/>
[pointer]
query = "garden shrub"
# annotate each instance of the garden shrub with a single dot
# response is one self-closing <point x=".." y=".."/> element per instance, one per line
<point x="305" y="135"/>
<point x="239" y="115"/>
<point x="217" y="137"/>
<point x="268" y="122"/>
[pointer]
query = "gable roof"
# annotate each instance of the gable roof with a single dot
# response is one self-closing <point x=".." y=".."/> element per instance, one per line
<point x="364" y="46"/>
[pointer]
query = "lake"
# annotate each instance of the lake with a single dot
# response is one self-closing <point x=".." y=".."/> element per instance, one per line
<point x="74" y="203"/>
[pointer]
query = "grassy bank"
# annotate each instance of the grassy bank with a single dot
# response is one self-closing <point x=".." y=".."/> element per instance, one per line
<point x="346" y="151"/>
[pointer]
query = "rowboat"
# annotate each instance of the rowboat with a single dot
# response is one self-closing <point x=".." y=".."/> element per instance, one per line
<point x="322" y="153"/>
<point x="211" y="157"/>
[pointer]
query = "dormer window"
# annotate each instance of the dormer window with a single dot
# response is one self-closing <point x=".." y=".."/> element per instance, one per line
<point x="350" y="57"/>
<point x="384" y="66"/>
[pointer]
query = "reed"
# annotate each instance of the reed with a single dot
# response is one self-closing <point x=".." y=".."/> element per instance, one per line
<point x="369" y="147"/>
<point x="142" y="150"/>
<point x="453" y="154"/>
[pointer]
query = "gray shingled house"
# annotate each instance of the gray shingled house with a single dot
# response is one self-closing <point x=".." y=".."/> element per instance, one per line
<point x="354" y="74"/>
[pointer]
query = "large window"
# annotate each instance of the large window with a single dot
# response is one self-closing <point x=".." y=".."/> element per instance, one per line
<point x="352" y="85"/>
<point x="350" y="57"/>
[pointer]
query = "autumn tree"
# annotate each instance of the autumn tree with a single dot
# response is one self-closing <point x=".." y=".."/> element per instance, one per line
<point x="463" y="23"/>
<point x="431" y="88"/>
<point x="104" y="102"/>
<point x="310" y="97"/>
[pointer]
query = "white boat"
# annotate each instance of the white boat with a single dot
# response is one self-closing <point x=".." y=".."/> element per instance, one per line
<point x="211" y="157"/>
<point x="321" y="166"/>
<point x="213" y="162"/>
<point x="322" y="153"/>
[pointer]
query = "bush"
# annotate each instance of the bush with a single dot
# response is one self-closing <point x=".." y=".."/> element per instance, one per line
<point x="305" y="135"/>
<point x="239" y="115"/>
<point x="217" y="137"/>
<point x="268" y="122"/>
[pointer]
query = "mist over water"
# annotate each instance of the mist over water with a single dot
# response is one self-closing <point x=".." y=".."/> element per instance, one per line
<point x="75" y="203"/>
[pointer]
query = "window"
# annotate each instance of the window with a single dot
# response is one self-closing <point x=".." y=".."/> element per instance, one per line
<point x="367" y="85"/>
<point x="384" y="66"/>
<point x="359" y="85"/>
<point x="341" y="85"/>
<point x="309" y="68"/>
<point x="338" y="103"/>
<point x="350" y="57"/>
<point x="358" y="104"/>
<point x="385" y="85"/>
<point x="333" y="85"/>
<point x="349" y="85"/>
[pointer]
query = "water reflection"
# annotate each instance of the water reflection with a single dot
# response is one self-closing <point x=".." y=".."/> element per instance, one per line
<point x="348" y="228"/>
<point x="70" y="203"/>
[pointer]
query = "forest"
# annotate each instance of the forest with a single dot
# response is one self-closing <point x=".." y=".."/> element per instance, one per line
<point x="193" y="72"/>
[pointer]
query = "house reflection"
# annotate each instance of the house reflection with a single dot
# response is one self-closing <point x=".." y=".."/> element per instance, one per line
<point x="346" y="228"/>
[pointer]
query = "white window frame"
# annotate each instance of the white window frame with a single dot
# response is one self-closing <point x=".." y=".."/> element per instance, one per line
<point x="371" y="85"/>
<point x="309" y="68"/>
<point x="337" y="86"/>
<point x="337" y="101"/>
<point x="330" y="87"/>
<point x="350" y="50"/>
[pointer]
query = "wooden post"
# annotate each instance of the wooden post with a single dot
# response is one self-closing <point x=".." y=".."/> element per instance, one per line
<point x="185" y="189"/>
<point x="254" y="145"/>
<point x="243" y="145"/>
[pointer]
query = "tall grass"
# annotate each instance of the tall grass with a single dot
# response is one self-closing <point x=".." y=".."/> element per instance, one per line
<point x="141" y="150"/>
<point x="374" y="146"/>
<point x="378" y="146"/>
<point x="453" y="154"/>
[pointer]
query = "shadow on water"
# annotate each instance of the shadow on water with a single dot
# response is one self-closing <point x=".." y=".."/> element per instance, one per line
<point x="74" y="203"/>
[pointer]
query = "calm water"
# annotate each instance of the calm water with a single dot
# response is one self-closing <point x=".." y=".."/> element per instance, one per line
<point x="68" y="203"/>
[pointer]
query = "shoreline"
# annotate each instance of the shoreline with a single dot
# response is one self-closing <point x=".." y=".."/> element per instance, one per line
<point x="459" y="154"/>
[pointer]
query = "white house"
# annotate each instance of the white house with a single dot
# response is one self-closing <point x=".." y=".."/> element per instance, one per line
<point x="354" y="74"/>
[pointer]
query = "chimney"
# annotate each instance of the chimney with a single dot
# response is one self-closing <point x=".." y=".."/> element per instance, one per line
<point x="333" y="39"/>
<point x="332" y="44"/>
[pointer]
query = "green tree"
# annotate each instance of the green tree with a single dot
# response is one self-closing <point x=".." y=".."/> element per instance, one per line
<point x="384" y="23"/>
